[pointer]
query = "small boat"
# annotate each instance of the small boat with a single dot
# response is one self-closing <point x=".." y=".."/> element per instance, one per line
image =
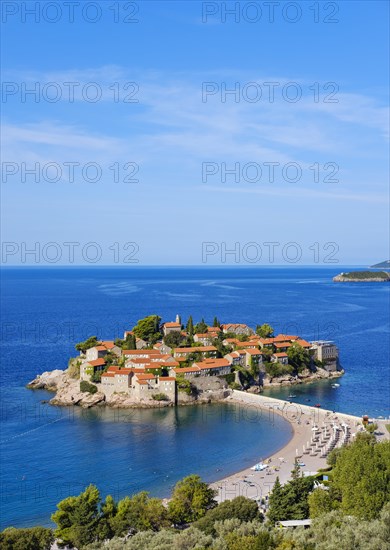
<point x="335" y="385"/>
<point x="291" y="396"/>
<point x="317" y="405"/>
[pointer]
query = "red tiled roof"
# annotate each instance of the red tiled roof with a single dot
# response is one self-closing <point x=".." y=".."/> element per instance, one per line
<point x="172" y="325"/>
<point x="146" y="376"/>
<point x="97" y="362"/>
<point x="280" y="354"/>
<point x="108" y="344"/>
<point x="167" y="379"/>
<point x="253" y="351"/>
<point x="212" y="363"/>
<point x="203" y="335"/>
<point x="101" y="348"/>
<point x="108" y="375"/>
<point x="282" y="344"/>
<point x="187" y="369"/>
<point x="303" y="343"/>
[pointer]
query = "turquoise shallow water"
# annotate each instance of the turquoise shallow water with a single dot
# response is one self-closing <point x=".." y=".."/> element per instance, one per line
<point x="49" y="453"/>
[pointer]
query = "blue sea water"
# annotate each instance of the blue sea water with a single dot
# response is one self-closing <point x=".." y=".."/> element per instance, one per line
<point x="49" y="453"/>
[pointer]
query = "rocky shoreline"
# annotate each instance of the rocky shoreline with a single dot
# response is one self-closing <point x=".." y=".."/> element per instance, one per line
<point x="68" y="392"/>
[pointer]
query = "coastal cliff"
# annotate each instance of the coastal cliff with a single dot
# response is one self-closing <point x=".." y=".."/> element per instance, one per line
<point x="306" y="376"/>
<point x="68" y="393"/>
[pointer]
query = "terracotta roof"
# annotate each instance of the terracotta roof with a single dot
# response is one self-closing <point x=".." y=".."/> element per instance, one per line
<point x="282" y="344"/>
<point x="172" y="325"/>
<point x="167" y="379"/>
<point x="108" y="375"/>
<point x="280" y="354"/>
<point x="97" y="362"/>
<point x="100" y="348"/>
<point x="253" y="351"/>
<point x="187" y="369"/>
<point x="108" y="344"/>
<point x="203" y="335"/>
<point x="212" y="363"/>
<point x="146" y="376"/>
<point x="303" y="343"/>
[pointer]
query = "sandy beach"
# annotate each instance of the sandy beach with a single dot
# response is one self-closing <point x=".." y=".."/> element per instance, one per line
<point x="303" y="419"/>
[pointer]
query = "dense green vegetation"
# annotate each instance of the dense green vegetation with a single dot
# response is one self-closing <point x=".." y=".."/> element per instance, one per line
<point x="36" y="538"/>
<point x="148" y="329"/>
<point x="91" y="342"/>
<point x="87" y="387"/>
<point x="264" y="331"/>
<point x="367" y="275"/>
<point x="278" y="369"/>
<point x="298" y="357"/>
<point x="160" y="397"/>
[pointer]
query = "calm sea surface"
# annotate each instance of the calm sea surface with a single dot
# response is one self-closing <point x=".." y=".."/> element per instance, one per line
<point x="49" y="453"/>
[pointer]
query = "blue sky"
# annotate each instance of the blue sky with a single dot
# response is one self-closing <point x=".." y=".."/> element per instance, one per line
<point x="174" y="137"/>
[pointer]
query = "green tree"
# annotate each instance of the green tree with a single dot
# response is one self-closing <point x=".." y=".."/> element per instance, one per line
<point x="108" y="512"/>
<point x="290" y="500"/>
<point x="242" y="508"/>
<point x="201" y="327"/>
<point x="130" y="342"/>
<point x="148" y="329"/>
<point x="320" y="502"/>
<point x="139" y="513"/>
<point x="190" y="326"/>
<point x="91" y="342"/>
<point x="87" y="387"/>
<point x="77" y="518"/>
<point x="190" y="500"/>
<point x="35" y="538"/>
<point x="174" y="339"/>
<point x="298" y="357"/>
<point x="264" y="331"/>
<point x="362" y="475"/>
<point x="216" y="323"/>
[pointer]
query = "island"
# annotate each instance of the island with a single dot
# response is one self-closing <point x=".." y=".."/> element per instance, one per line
<point x="363" y="277"/>
<point x="159" y="364"/>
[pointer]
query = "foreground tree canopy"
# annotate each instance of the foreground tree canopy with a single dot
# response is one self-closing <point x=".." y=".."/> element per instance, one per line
<point x="351" y="511"/>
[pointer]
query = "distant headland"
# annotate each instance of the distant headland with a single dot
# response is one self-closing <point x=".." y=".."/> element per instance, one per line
<point x="362" y="277"/>
<point x="166" y="364"/>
